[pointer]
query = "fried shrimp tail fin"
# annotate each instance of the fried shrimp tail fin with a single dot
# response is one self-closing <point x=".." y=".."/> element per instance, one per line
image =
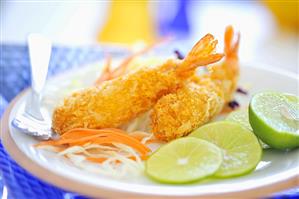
<point x="229" y="71"/>
<point x="202" y="54"/>
<point x="231" y="46"/>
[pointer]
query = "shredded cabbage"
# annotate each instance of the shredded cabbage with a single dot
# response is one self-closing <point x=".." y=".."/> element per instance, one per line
<point x="118" y="161"/>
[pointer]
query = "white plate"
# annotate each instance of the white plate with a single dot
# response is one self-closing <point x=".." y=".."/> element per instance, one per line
<point x="276" y="166"/>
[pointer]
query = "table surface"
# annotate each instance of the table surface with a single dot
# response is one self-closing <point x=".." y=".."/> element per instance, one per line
<point x="15" y="182"/>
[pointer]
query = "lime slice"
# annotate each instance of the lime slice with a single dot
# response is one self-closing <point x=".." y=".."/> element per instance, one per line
<point x="241" y="149"/>
<point x="241" y="117"/>
<point x="184" y="160"/>
<point x="274" y="118"/>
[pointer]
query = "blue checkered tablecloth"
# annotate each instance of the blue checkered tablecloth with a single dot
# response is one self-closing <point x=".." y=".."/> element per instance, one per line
<point x="15" y="182"/>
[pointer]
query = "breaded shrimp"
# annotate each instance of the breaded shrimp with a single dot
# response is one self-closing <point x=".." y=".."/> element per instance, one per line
<point x="200" y="99"/>
<point x="117" y="101"/>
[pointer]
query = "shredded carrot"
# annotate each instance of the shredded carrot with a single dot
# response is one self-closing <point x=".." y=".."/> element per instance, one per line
<point x="142" y="149"/>
<point x="83" y="132"/>
<point x="81" y="136"/>
<point x="107" y="74"/>
<point x="94" y="135"/>
<point x="70" y="140"/>
<point x="96" y="160"/>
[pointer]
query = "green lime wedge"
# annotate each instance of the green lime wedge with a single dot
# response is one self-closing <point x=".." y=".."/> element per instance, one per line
<point x="184" y="160"/>
<point x="241" y="117"/>
<point x="241" y="149"/>
<point x="274" y="118"/>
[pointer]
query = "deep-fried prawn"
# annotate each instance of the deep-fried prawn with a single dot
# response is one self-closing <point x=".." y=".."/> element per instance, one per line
<point x="200" y="99"/>
<point x="117" y="101"/>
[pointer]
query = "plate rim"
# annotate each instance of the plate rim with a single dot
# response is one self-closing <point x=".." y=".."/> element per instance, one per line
<point x="95" y="191"/>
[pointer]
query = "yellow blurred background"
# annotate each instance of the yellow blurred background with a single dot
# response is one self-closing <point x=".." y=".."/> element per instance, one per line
<point x="128" y="22"/>
<point x="285" y="13"/>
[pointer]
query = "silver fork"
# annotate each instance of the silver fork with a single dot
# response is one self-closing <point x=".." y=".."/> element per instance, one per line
<point x="31" y="120"/>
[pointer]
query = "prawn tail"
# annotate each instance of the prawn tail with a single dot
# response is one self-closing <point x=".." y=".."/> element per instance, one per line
<point x="202" y="54"/>
<point x="230" y="66"/>
<point x="231" y="42"/>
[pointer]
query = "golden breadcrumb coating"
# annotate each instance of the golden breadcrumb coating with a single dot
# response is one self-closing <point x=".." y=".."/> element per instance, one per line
<point x="176" y="114"/>
<point x="117" y="101"/>
<point x="114" y="102"/>
<point x="197" y="102"/>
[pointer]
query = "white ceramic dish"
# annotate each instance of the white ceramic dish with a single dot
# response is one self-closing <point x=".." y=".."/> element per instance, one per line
<point x="276" y="171"/>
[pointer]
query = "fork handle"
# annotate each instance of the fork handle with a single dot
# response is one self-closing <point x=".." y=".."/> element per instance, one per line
<point x="39" y="53"/>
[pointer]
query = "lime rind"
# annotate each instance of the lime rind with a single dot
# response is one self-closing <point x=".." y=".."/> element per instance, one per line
<point x="184" y="160"/>
<point x="241" y="149"/>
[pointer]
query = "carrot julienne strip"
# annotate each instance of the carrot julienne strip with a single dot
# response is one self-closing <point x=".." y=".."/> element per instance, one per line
<point x="82" y="137"/>
<point x="96" y="160"/>
<point x="109" y="74"/>
<point x="81" y="132"/>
